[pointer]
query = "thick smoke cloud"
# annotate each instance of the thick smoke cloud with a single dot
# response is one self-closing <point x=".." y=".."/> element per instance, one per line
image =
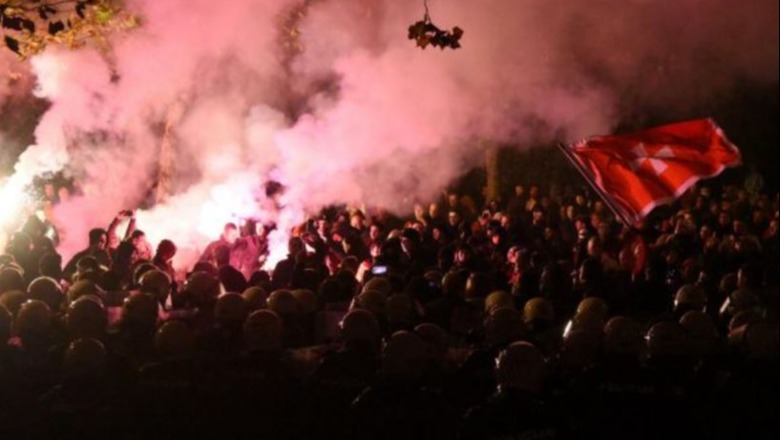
<point x="361" y="114"/>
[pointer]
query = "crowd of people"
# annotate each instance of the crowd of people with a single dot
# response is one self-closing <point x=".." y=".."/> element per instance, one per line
<point x="540" y="317"/>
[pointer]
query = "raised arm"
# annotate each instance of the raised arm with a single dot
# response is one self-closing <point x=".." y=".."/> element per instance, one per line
<point x="130" y="225"/>
<point x="112" y="241"/>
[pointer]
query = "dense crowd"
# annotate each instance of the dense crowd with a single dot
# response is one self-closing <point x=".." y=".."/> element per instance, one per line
<point x="539" y="317"/>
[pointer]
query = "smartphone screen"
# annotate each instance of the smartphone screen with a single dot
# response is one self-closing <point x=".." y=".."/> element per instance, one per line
<point x="379" y="270"/>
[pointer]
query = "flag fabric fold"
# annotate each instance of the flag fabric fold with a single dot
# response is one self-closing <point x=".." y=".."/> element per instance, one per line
<point x="643" y="170"/>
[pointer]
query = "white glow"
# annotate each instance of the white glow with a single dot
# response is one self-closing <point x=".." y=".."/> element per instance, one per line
<point x="12" y="200"/>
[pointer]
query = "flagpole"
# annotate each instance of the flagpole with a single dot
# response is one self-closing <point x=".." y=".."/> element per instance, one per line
<point x="604" y="196"/>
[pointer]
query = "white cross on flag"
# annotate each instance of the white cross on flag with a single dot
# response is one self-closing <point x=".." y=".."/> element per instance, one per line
<point x="643" y="170"/>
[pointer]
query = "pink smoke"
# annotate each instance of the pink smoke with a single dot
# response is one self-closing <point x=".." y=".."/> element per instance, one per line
<point x="361" y="114"/>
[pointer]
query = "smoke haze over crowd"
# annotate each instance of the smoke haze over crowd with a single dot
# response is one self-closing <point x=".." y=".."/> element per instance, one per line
<point x="360" y="114"/>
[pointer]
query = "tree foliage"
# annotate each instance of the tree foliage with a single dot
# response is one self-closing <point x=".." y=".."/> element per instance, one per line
<point x="28" y="26"/>
<point x="426" y="33"/>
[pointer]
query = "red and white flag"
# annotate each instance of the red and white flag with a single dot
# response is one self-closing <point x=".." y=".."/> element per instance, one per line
<point x="643" y="170"/>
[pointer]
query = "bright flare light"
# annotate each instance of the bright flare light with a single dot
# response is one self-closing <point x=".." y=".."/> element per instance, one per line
<point x="12" y="200"/>
<point x="277" y="239"/>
